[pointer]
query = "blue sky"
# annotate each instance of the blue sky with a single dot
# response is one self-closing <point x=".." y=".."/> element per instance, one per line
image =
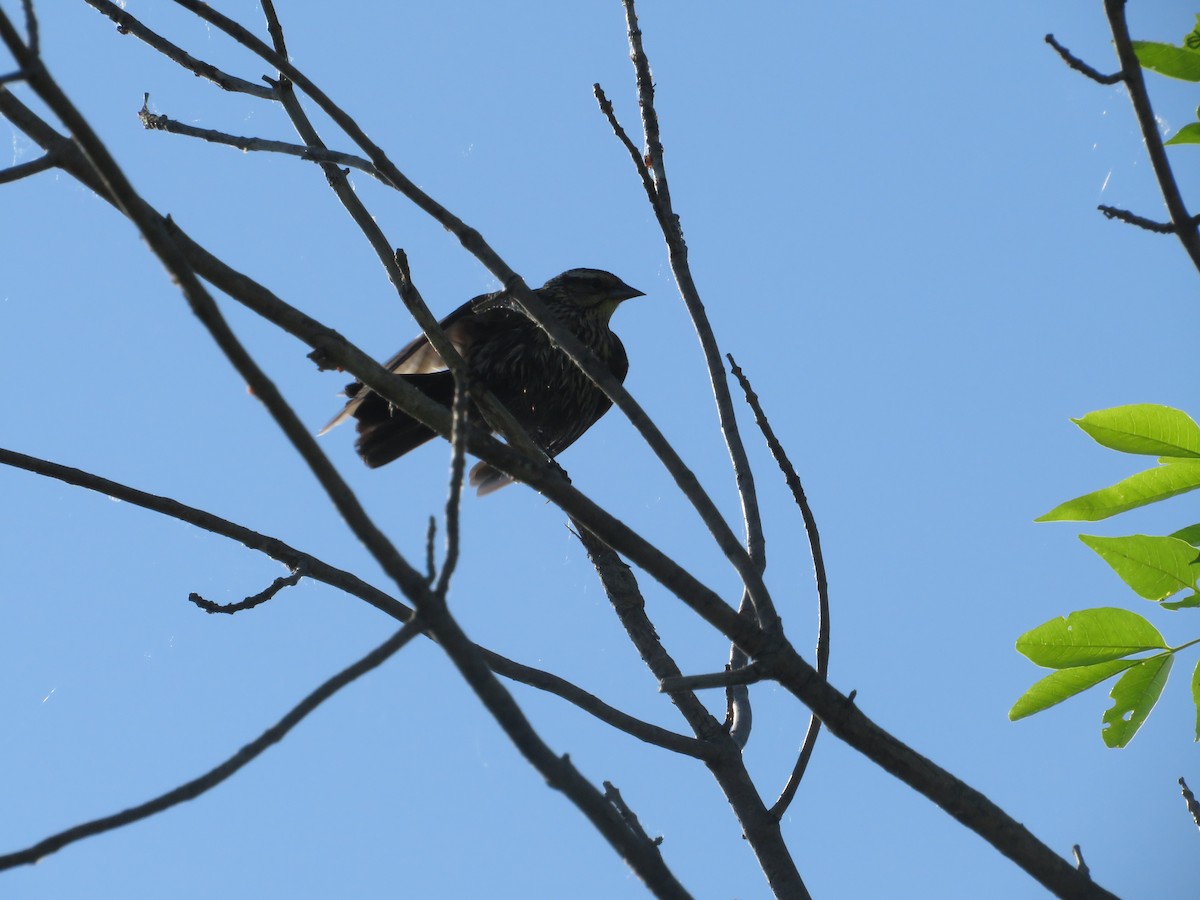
<point x="891" y="217"/>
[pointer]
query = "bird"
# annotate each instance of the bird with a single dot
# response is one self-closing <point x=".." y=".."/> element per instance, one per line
<point x="511" y="355"/>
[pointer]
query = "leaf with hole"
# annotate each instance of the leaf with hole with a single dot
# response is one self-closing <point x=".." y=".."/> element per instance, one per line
<point x="1134" y="696"/>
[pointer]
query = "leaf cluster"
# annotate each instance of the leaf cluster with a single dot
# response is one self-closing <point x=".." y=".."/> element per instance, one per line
<point x="1090" y="646"/>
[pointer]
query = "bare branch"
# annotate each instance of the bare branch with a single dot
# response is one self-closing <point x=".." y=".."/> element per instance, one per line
<point x="454" y="500"/>
<point x="24" y="170"/>
<point x="1124" y="215"/>
<point x="31" y="27"/>
<point x="1080" y="66"/>
<point x="213" y="777"/>
<point x="1189" y="798"/>
<point x="745" y="675"/>
<point x="430" y="534"/>
<point x="250" y="602"/>
<point x="613" y="796"/>
<point x="728" y="768"/>
<point x="560" y="687"/>
<point x="659" y="195"/>
<point x="1131" y="71"/>
<point x="156" y="122"/>
<point x="1079" y="863"/>
<point x="819" y="574"/>
<point x="127" y="24"/>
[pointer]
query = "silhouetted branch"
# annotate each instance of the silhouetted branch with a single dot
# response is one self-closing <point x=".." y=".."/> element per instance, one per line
<point x="745" y="675"/>
<point x="1124" y="215"/>
<point x="1190" y="799"/>
<point x="613" y="796"/>
<point x="250" y="602"/>
<point x="1135" y="81"/>
<point x="454" y="500"/>
<point x="155" y="122"/>
<point x="128" y="24"/>
<point x="1080" y="66"/>
<point x="659" y="194"/>
<point x="725" y="761"/>
<point x="819" y="574"/>
<point x="24" y="170"/>
<point x="1079" y="863"/>
<point x="213" y="777"/>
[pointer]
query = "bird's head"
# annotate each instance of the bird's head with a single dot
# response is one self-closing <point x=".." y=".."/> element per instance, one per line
<point x="590" y="289"/>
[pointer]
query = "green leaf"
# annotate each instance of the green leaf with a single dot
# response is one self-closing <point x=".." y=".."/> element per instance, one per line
<point x="1196" y="696"/>
<point x="1089" y="636"/>
<point x="1191" y="534"/>
<point x="1188" y="134"/>
<point x="1137" y="490"/>
<point x="1134" y="696"/>
<point x="1189" y="602"/>
<point x="1145" y="428"/>
<point x="1058" y="686"/>
<point x="1155" y="567"/>
<point x="1168" y="60"/>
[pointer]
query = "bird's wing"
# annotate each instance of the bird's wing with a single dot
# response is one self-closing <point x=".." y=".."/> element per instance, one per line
<point x="418" y="356"/>
<point x="618" y="363"/>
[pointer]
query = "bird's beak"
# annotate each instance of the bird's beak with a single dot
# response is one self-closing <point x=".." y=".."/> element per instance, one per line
<point x="625" y="292"/>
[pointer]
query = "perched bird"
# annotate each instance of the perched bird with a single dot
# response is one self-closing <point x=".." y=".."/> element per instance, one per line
<point x="506" y="351"/>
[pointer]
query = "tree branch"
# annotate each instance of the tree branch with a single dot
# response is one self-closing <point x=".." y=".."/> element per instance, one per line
<point x="1080" y="66"/>
<point x="819" y="575"/>
<point x="1131" y="71"/>
<point x="213" y="777"/>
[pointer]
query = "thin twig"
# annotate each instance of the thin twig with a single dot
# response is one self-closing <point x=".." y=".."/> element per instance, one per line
<point x="155" y="122"/>
<point x="614" y="797"/>
<point x="750" y="674"/>
<point x="250" y="602"/>
<point x="819" y="575"/>
<point x="430" y="535"/>
<point x="454" y="499"/>
<point x="1080" y="66"/>
<point x="1189" y="798"/>
<point x="210" y="779"/>
<point x="128" y="24"/>
<point x="672" y="229"/>
<point x="1079" y="863"/>
<point x="651" y="169"/>
<point x="1124" y="215"/>
<point x="31" y="27"/>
